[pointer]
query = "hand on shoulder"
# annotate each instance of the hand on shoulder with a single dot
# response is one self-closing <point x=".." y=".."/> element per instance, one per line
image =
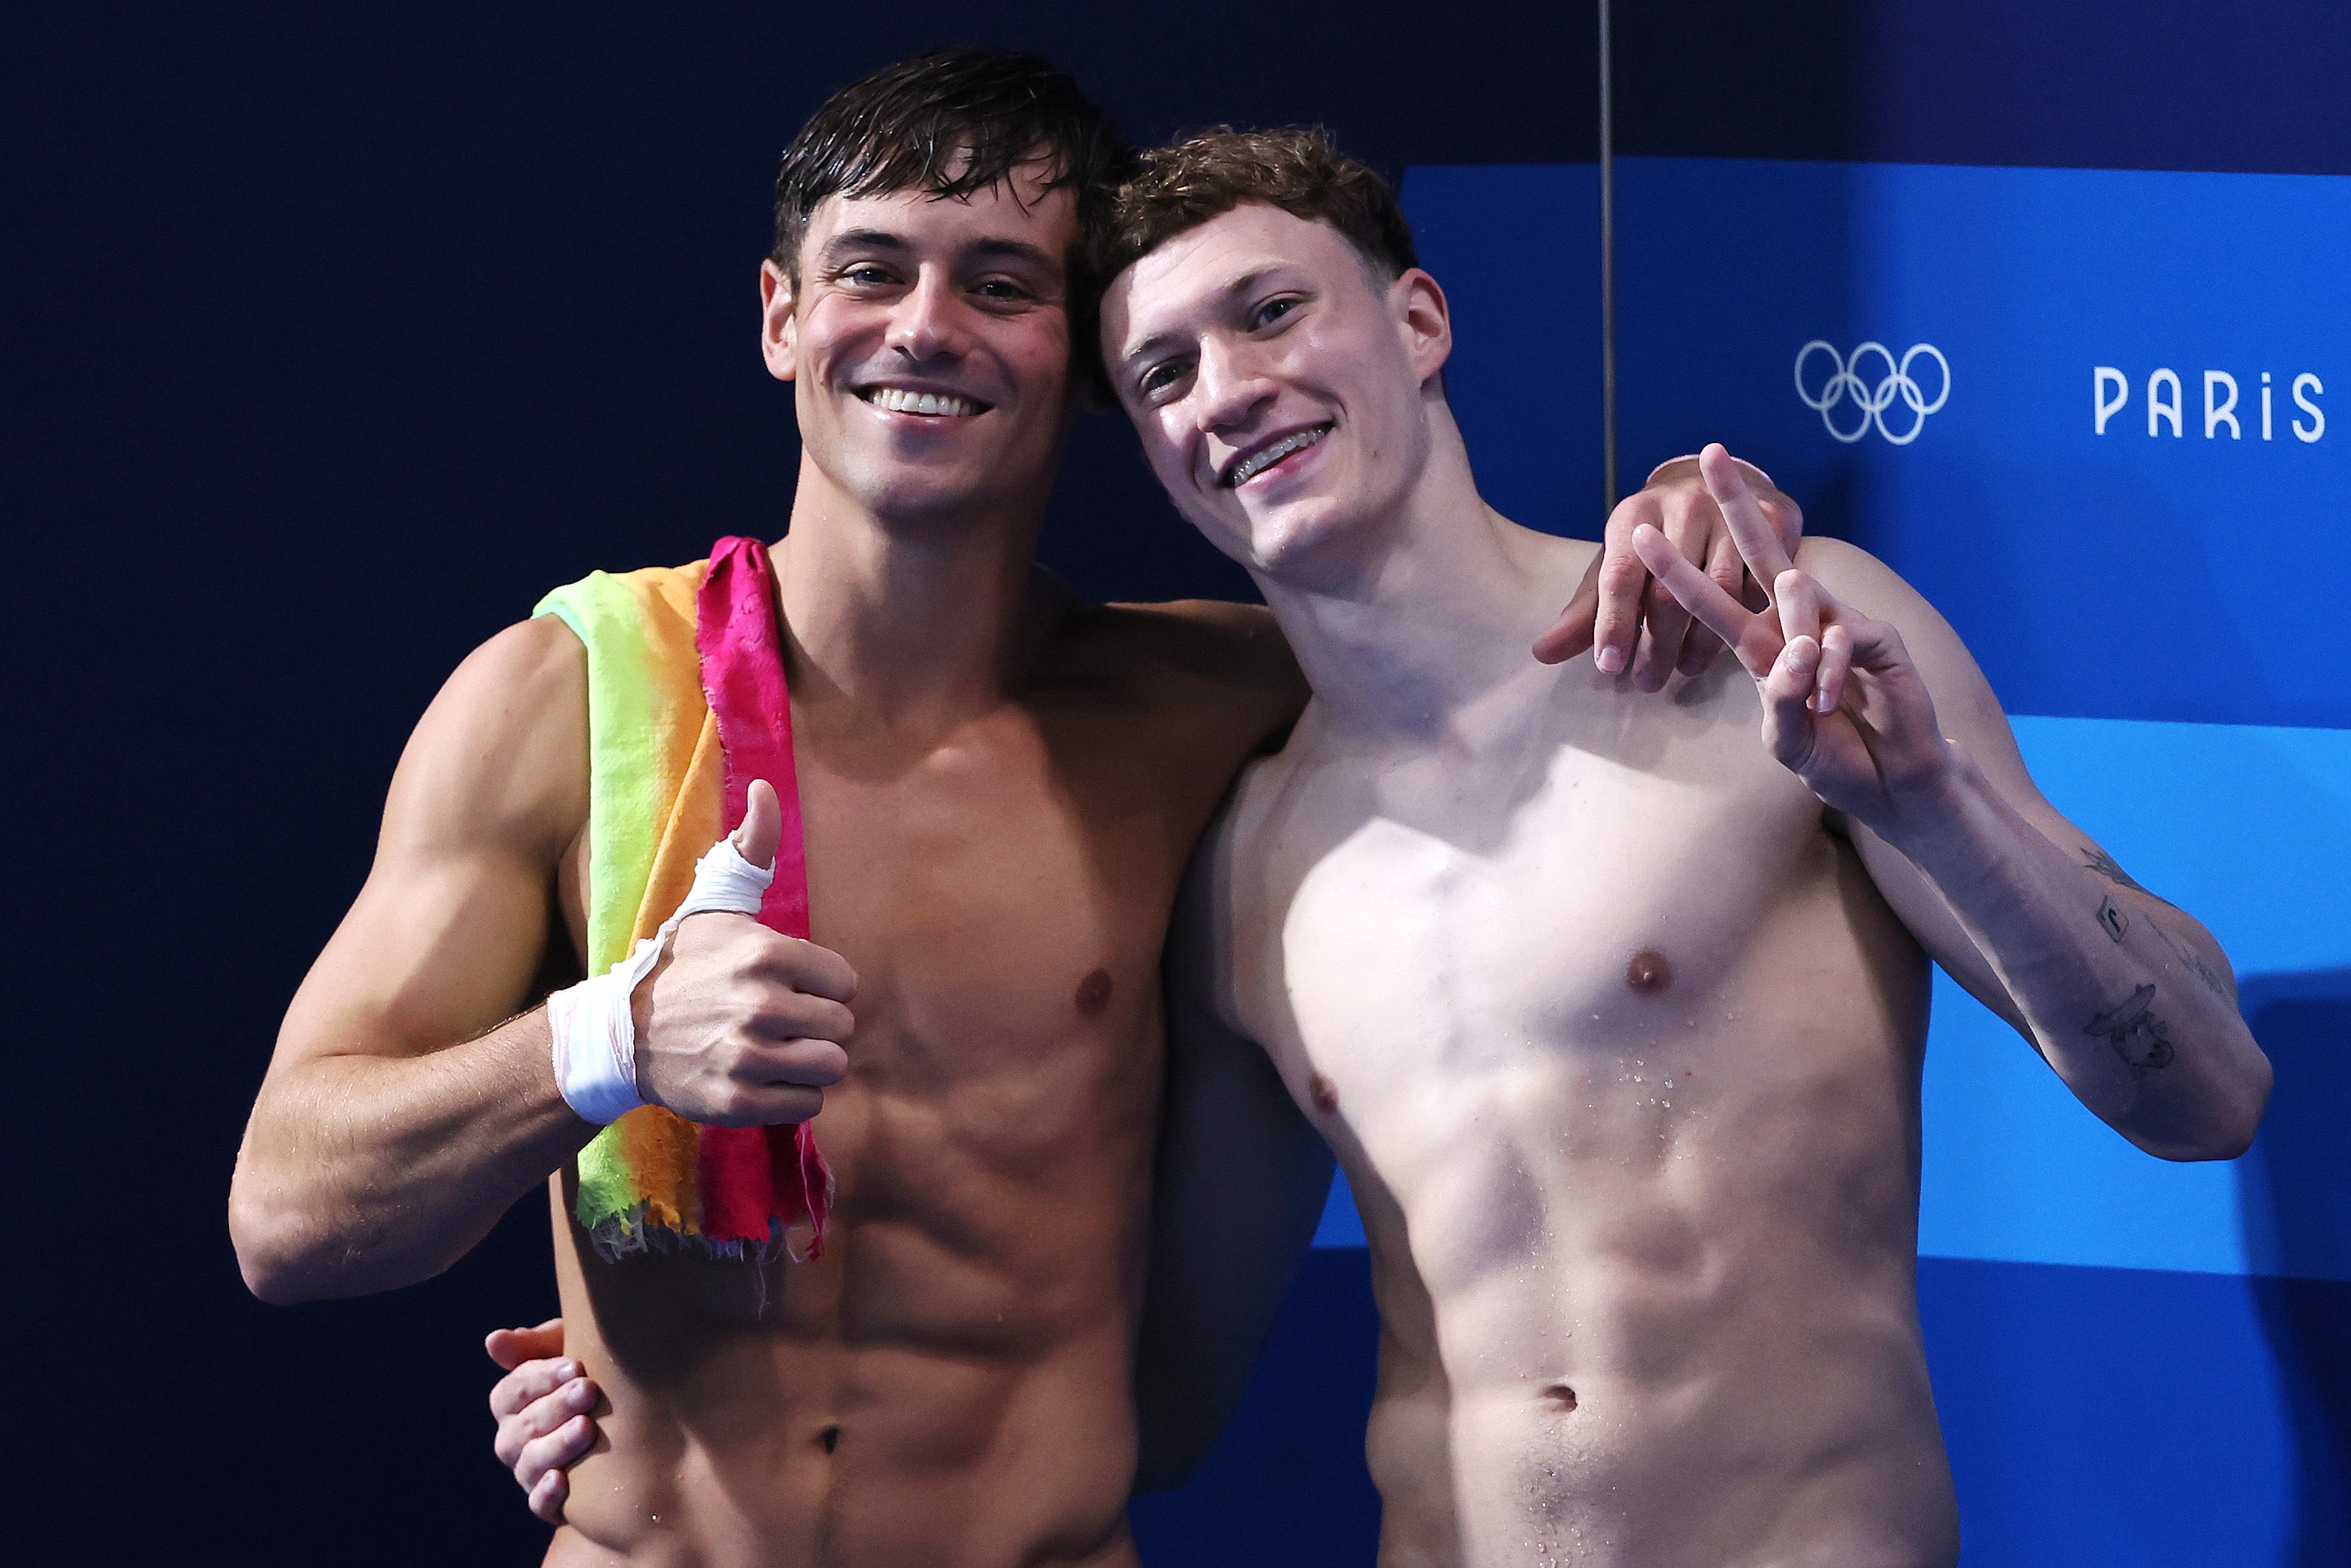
<point x="1846" y="708"/>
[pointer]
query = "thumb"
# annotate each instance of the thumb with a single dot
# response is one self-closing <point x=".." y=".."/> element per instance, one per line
<point x="763" y="824"/>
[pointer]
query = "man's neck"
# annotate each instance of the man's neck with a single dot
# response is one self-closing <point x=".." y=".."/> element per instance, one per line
<point x="911" y="624"/>
<point x="1437" y="607"/>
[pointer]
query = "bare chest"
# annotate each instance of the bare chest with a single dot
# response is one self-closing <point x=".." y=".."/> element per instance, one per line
<point x="1461" y="925"/>
<point x="1002" y="897"/>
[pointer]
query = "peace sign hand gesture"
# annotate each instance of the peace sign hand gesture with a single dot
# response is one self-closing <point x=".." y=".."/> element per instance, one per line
<point x="1843" y="707"/>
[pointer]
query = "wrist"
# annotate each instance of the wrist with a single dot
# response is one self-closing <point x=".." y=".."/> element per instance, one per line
<point x="1937" y="810"/>
<point x="591" y="1034"/>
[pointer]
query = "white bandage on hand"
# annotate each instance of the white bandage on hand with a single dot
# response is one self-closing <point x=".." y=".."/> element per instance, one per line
<point x="593" y="1022"/>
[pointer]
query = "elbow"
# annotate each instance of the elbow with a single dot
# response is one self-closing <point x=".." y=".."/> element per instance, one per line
<point x="2231" y="1116"/>
<point x="279" y="1253"/>
<point x="267" y="1255"/>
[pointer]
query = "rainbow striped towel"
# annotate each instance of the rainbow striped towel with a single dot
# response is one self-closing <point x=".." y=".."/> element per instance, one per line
<point x="686" y="705"/>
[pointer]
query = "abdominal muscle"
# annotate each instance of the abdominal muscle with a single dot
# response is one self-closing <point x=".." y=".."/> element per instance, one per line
<point x="939" y="1388"/>
<point x="1641" y="1325"/>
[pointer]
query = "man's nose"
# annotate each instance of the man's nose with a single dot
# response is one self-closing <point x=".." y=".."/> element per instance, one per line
<point x="1232" y="386"/>
<point x="928" y="321"/>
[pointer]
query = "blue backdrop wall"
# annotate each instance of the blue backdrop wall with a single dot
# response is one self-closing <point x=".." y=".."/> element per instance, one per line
<point x="336" y="337"/>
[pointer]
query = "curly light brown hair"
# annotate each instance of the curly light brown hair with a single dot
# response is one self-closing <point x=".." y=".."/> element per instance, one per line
<point x="1298" y="169"/>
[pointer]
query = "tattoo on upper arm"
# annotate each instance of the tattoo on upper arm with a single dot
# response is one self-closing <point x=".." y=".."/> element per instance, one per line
<point x="2098" y="860"/>
<point x="2111" y="916"/>
<point x="2141" y="1038"/>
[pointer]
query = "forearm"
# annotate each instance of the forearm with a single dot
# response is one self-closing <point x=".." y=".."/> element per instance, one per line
<point x="363" y="1173"/>
<point x="2127" y="999"/>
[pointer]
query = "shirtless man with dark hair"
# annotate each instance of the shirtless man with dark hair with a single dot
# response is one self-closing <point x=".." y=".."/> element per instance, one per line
<point x="1001" y="786"/>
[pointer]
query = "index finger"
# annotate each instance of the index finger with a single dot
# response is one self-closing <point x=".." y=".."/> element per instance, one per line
<point x="1754" y="638"/>
<point x="1758" y="540"/>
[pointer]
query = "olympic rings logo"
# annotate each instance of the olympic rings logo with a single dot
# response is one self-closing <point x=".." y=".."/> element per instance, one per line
<point x="1846" y="380"/>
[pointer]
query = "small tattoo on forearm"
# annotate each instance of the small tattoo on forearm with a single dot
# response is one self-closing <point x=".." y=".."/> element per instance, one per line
<point x="2111" y="916"/>
<point x="2098" y="860"/>
<point x="2137" y="1036"/>
<point x="2194" y="963"/>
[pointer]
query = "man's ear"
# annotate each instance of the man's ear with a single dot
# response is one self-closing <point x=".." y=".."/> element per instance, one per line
<point x="779" y="327"/>
<point x="1426" y="320"/>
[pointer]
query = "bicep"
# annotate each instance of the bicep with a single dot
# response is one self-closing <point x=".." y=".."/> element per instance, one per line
<point x="451" y="927"/>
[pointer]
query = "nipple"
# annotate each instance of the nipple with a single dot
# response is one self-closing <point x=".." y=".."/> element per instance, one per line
<point x="1093" y="994"/>
<point x="1323" y="1093"/>
<point x="1649" y="974"/>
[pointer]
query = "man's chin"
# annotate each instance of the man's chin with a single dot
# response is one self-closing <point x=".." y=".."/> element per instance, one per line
<point x="919" y="497"/>
<point x="1309" y="545"/>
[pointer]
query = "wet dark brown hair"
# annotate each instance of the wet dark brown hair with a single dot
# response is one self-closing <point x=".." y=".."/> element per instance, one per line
<point x="953" y="122"/>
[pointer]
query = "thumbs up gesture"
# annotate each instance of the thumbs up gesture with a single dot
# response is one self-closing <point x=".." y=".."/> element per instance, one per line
<point x="739" y="1026"/>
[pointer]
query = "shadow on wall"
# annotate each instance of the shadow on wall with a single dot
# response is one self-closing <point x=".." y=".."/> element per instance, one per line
<point x="1286" y="1486"/>
<point x="2295" y="1198"/>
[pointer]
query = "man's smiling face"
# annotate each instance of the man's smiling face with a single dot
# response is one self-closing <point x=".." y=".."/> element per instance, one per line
<point x="1277" y="383"/>
<point x="929" y="342"/>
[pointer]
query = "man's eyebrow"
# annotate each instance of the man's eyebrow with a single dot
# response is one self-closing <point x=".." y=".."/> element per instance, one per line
<point x="1015" y="249"/>
<point x="1239" y="285"/>
<point x="995" y="246"/>
<point x="864" y="239"/>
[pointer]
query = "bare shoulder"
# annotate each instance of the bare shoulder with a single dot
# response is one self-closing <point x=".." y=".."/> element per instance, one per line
<point x="1199" y="639"/>
<point x="1963" y="697"/>
<point x="501" y="753"/>
<point x="1864" y="581"/>
<point x="1199" y="655"/>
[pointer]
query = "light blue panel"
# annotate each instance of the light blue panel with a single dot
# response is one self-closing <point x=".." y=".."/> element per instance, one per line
<point x="2250" y="829"/>
<point x="2115" y="575"/>
<point x="1341" y="1224"/>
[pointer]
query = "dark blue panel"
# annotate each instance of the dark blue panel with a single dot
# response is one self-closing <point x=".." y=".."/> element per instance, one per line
<point x="2295" y="1183"/>
<point x="1517" y="252"/>
<point x="2120" y="1416"/>
<point x="2160" y="84"/>
<point x="1285" y="1487"/>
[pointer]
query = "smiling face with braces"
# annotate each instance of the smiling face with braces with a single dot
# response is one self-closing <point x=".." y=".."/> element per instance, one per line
<point x="1278" y="384"/>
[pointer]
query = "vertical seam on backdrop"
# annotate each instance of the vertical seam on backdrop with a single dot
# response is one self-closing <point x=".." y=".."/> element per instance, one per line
<point x="1607" y="273"/>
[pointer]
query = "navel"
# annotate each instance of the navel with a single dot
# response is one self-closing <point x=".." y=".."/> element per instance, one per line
<point x="1649" y="974"/>
<point x="1323" y="1093"/>
<point x="1562" y="1395"/>
<point x="1093" y="994"/>
<point x="829" y="1437"/>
